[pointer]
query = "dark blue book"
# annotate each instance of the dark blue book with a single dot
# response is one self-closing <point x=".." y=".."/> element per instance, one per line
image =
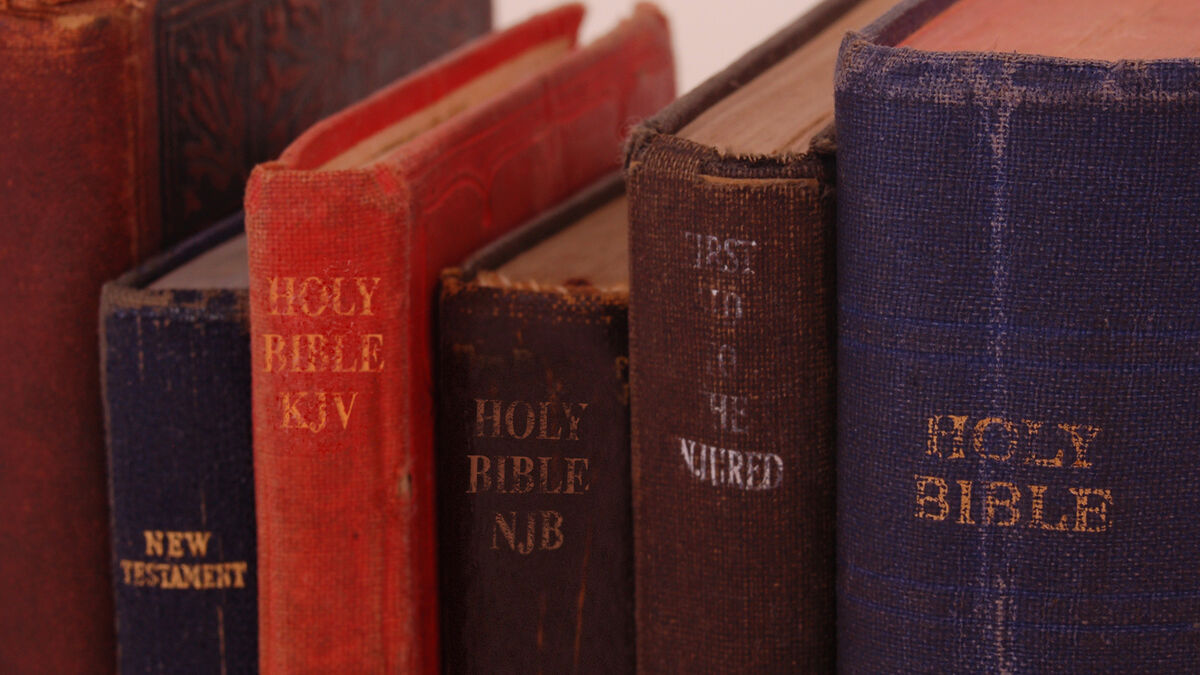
<point x="175" y="356"/>
<point x="1019" y="345"/>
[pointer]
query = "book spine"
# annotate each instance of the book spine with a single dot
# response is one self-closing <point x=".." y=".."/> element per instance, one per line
<point x="176" y="372"/>
<point x="345" y="519"/>
<point x="1019" y="300"/>
<point x="732" y="413"/>
<point x="76" y="130"/>
<point x="535" y="541"/>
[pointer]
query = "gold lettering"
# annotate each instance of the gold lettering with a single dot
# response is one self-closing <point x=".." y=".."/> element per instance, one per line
<point x="482" y="416"/>
<point x="978" y="438"/>
<point x="1037" y="509"/>
<point x="154" y="542"/>
<point x="577" y="478"/>
<point x="964" y="502"/>
<point x="175" y="544"/>
<point x="372" y="353"/>
<point x="1082" y="436"/>
<point x="552" y="536"/>
<point x="344" y="410"/>
<point x="479" y="470"/>
<point x="937" y="432"/>
<point x="274" y="348"/>
<point x="197" y="543"/>
<point x="924" y="500"/>
<point x="992" y="502"/>
<point x="544" y="422"/>
<point x="544" y="474"/>
<point x="510" y="422"/>
<point x="366" y="288"/>
<point x="275" y="295"/>
<point x="1084" y="509"/>
<point x="522" y="471"/>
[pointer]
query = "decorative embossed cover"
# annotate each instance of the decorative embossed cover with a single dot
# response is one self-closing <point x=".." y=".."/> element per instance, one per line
<point x="176" y="375"/>
<point x="535" y="538"/>
<point x="239" y="79"/>
<point x="731" y="372"/>
<point x="343" y="267"/>
<point x="1019" y="301"/>
<point x="126" y="124"/>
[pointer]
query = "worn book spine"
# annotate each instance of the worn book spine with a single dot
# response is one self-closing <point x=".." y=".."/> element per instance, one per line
<point x="75" y="91"/>
<point x="732" y="378"/>
<point x="534" y="531"/>
<point x="343" y="269"/>
<point x="176" y="375"/>
<point x="1019" y="299"/>
<point x="238" y="81"/>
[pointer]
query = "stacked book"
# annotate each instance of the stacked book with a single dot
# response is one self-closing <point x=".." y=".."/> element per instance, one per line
<point x="876" y="353"/>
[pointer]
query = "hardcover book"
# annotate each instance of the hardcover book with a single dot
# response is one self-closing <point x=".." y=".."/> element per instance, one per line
<point x="347" y="234"/>
<point x="731" y="353"/>
<point x="175" y="366"/>
<point x="535" y="555"/>
<point x="1019" y="302"/>
<point x="128" y="124"/>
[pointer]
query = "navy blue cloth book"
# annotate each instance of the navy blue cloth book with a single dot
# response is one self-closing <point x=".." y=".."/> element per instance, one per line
<point x="175" y="356"/>
<point x="1019" y="349"/>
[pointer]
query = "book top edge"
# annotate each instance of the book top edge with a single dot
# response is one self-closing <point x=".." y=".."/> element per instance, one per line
<point x="673" y="118"/>
<point x="129" y="291"/>
<point x="871" y="61"/>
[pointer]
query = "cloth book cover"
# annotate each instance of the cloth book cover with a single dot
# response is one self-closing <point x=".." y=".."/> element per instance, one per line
<point x="348" y="232"/>
<point x="535" y="554"/>
<point x="1019" y="309"/>
<point x="175" y="367"/>
<point x="731" y="356"/>
<point x="127" y="124"/>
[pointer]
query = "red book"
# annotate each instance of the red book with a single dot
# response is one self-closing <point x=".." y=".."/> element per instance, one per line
<point x="347" y="233"/>
<point x="125" y="124"/>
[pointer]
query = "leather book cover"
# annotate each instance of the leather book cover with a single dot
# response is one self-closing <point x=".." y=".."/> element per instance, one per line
<point x="1019" y="312"/>
<point x="128" y="124"/>
<point x="343" y="265"/>
<point x="535" y="553"/>
<point x="175" y="368"/>
<point x="731" y="357"/>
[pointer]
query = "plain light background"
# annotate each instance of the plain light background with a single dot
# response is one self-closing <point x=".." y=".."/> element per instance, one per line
<point x="707" y="34"/>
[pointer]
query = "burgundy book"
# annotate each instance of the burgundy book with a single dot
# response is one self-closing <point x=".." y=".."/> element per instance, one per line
<point x="535" y="541"/>
<point x="127" y="124"/>
<point x="731" y="354"/>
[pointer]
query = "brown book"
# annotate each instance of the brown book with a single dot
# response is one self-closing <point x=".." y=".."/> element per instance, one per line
<point x="731" y="324"/>
<point x="535" y="542"/>
<point x="125" y="124"/>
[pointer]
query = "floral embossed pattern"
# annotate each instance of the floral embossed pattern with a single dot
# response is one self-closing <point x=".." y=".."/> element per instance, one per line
<point x="239" y="79"/>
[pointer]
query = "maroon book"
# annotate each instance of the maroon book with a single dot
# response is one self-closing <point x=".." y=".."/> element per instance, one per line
<point x="127" y="124"/>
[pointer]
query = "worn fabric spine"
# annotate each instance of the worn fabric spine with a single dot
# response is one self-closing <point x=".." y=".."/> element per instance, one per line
<point x="127" y="124"/>
<point x="343" y="268"/>
<point x="176" y="380"/>
<point x="535" y="537"/>
<point x="732" y="391"/>
<point x="76" y="213"/>
<point x="1018" y="296"/>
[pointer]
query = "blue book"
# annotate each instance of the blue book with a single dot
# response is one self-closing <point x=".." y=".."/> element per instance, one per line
<point x="1019" y="349"/>
<point x="175" y="353"/>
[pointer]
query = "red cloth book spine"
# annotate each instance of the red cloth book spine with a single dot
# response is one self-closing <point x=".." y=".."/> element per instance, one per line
<point x="74" y="97"/>
<point x="343" y="266"/>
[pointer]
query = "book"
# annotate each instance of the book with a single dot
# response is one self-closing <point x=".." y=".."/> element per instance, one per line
<point x="1017" y="292"/>
<point x="175" y="368"/>
<point x="731" y="205"/>
<point x="128" y="125"/>
<point x="348" y="232"/>
<point x="535" y="541"/>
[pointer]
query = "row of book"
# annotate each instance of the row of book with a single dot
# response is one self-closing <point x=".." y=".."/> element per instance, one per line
<point x="876" y="354"/>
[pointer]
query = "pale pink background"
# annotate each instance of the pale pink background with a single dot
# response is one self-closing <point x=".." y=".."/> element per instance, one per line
<point x="707" y="34"/>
